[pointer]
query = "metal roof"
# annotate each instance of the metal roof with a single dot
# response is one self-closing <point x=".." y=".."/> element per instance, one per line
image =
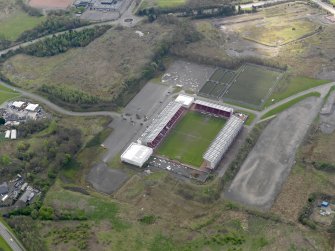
<point x="136" y="154"/>
<point x="223" y="140"/>
<point x="213" y="105"/>
<point x="160" y="121"/>
<point x="185" y="100"/>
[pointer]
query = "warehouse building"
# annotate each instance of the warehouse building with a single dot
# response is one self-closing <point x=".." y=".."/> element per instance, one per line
<point x="161" y="124"/>
<point x="222" y="142"/>
<point x="136" y="154"/>
<point x="215" y="109"/>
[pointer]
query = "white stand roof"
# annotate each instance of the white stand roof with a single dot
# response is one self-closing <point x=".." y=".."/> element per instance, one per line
<point x="185" y="100"/>
<point x="136" y="154"/>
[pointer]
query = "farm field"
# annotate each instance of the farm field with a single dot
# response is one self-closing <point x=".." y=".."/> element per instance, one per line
<point x="253" y="85"/>
<point x="190" y="138"/>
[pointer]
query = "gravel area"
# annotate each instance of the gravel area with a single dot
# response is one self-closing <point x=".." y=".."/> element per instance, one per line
<point x="269" y="163"/>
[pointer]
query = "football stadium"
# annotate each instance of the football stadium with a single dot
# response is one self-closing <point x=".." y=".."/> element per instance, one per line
<point x="189" y="131"/>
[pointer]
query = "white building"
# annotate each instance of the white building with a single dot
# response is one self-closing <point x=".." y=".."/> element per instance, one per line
<point x="7" y="136"/>
<point x="32" y="107"/>
<point x="13" y="134"/>
<point x="136" y="154"/>
<point x="185" y="100"/>
<point x="222" y="142"/>
<point x="18" y="104"/>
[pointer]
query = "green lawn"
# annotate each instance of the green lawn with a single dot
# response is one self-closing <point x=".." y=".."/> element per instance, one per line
<point x="3" y="245"/>
<point x="190" y="138"/>
<point x="15" y="24"/>
<point x="291" y="85"/>
<point x="162" y="3"/>
<point x="4" y="96"/>
<point x="253" y="85"/>
<point x="289" y="104"/>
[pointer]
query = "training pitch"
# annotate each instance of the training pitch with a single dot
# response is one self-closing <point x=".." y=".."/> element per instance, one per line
<point x="190" y="138"/>
<point x="250" y="85"/>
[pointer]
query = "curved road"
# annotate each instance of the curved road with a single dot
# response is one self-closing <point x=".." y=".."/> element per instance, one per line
<point x="57" y="108"/>
<point x="10" y="238"/>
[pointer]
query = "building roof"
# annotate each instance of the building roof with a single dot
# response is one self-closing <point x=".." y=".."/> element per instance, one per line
<point x="160" y="121"/>
<point x="223" y="140"/>
<point x="185" y="100"/>
<point x="13" y="134"/>
<point x="213" y="105"/>
<point x="136" y="154"/>
<point x="32" y="107"/>
<point x="3" y="188"/>
<point x="18" y="104"/>
<point x="7" y="136"/>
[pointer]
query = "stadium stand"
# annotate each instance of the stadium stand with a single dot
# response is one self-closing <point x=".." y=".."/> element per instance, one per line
<point x="222" y="142"/>
<point x="218" y="110"/>
<point x="161" y="124"/>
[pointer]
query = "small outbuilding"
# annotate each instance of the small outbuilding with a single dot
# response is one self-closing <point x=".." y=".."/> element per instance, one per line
<point x="18" y="104"/>
<point x="136" y="154"/>
<point x="32" y="107"/>
<point x="185" y="100"/>
<point x="13" y="134"/>
<point x="324" y="203"/>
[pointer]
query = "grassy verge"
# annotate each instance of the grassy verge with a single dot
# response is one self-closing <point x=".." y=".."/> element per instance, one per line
<point x="11" y="28"/>
<point x="251" y="116"/>
<point x="4" y="96"/>
<point x="292" y="85"/>
<point x="289" y="104"/>
<point x="3" y="245"/>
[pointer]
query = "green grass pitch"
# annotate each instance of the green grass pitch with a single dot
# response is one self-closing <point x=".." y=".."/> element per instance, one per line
<point x="190" y="138"/>
<point x="253" y="84"/>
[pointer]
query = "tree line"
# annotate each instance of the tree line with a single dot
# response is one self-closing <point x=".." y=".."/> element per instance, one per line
<point x="68" y="95"/>
<point x="51" y="25"/>
<point x="63" y="42"/>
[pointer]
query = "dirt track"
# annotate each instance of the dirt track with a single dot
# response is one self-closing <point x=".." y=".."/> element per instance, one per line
<point x="269" y="163"/>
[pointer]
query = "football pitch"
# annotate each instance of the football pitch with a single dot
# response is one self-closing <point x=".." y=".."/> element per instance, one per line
<point x="253" y="85"/>
<point x="190" y="138"/>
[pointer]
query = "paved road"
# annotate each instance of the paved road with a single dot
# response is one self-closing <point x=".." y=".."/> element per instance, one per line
<point x="10" y="238"/>
<point x="325" y="6"/>
<point x="57" y="108"/>
<point x="261" y="3"/>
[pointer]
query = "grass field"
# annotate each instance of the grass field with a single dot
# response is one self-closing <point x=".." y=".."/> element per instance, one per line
<point x="3" y="245"/>
<point x="274" y="33"/>
<point x="12" y="26"/>
<point x="252" y="85"/>
<point x="105" y="78"/>
<point x="289" y="104"/>
<point x="291" y="85"/>
<point x="6" y="94"/>
<point x="190" y="138"/>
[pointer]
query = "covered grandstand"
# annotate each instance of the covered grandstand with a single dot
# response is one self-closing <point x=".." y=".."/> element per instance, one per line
<point x="222" y="142"/>
<point x="161" y="124"/>
<point x="208" y="107"/>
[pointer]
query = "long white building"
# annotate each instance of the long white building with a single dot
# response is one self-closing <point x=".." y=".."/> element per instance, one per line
<point x="222" y="142"/>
